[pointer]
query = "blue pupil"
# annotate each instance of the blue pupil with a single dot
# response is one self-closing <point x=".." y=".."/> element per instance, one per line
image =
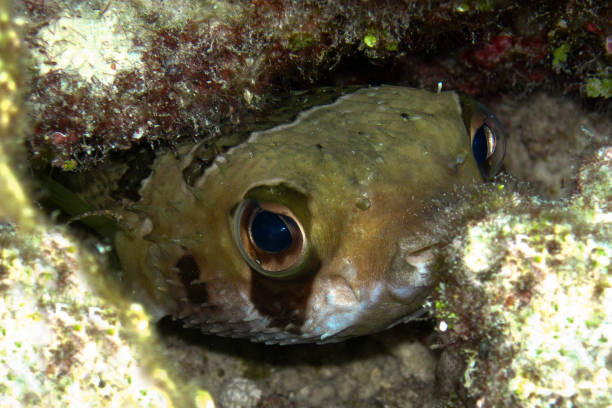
<point x="270" y="232"/>
<point x="480" y="147"/>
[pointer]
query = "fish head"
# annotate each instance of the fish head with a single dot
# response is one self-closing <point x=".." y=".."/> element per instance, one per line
<point x="313" y="231"/>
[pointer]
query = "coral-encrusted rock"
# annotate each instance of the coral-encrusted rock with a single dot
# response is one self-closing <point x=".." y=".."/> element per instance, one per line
<point x="526" y="299"/>
<point x="66" y="343"/>
<point x="107" y="75"/>
<point x="68" y="337"/>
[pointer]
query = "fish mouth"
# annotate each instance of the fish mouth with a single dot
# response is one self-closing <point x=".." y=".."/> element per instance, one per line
<point x="345" y="306"/>
<point x="421" y="257"/>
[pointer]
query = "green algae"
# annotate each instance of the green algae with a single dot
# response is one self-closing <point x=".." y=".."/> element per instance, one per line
<point x="301" y="40"/>
<point x="560" y="57"/>
<point x="370" y="40"/>
<point x="599" y="87"/>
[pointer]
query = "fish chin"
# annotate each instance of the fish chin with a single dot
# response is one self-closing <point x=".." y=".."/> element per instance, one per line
<point x="335" y="311"/>
<point x="338" y="310"/>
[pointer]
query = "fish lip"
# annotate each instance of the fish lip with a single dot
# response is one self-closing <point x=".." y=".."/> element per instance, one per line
<point x="420" y="257"/>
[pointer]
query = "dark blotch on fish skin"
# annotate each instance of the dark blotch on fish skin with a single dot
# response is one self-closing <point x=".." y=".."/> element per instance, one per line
<point x="283" y="301"/>
<point x="189" y="272"/>
<point x="139" y="168"/>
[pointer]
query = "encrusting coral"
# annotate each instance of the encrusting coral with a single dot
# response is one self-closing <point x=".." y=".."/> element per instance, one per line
<point x="525" y="298"/>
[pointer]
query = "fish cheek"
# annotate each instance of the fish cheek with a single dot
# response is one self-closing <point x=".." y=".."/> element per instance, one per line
<point x="284" y="302"/>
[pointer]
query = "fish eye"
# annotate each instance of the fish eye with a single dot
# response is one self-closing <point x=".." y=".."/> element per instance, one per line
<point x="271" y="231"/>
<point x="270" y="238"/>
<point x="488" y="140"/>
<point x="487" y="137"/>
<point x="483" y="143"/>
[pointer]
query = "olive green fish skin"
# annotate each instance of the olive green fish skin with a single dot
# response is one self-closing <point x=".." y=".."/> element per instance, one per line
<point x="366" y="166"/>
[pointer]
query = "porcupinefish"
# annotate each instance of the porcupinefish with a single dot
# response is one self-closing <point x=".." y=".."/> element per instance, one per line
<point x="306" y="232"/>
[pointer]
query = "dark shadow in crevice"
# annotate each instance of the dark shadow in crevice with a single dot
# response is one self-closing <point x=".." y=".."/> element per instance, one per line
<point x="257" y="354"/>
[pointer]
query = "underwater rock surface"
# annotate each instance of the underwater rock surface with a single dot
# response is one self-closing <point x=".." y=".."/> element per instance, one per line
<point x="107" y="75"/>
<point x="64" y="342"/>
<point x="525" y="298"/>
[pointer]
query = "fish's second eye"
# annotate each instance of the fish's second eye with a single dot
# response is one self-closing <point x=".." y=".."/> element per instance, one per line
<point x="483" y="144"/>
<point x="270" y="238"/>
<point x="488" y="140"/>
